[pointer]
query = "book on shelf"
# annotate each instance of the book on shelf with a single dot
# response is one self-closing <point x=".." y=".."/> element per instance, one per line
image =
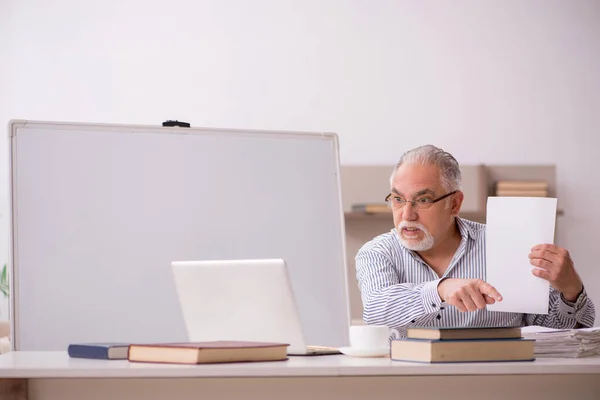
<point x="442" y="333"/>
<point x="101" y="351"/>
<point x="207" y="352"/>
<point x="523" y="188"/>
<point x="522" y="193"/>
<point x="521" y="185"/>
<point x="462" y="350"/>
<point x="371" y="208"/>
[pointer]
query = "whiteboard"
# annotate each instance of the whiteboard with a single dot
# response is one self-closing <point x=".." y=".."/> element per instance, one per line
<point x="99" y="211"/>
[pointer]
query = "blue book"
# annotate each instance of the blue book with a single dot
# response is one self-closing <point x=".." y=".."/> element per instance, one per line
<point x="99" y="351"/>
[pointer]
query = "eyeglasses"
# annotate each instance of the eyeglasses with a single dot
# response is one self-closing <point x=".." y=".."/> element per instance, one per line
<point x="422" y="203"/>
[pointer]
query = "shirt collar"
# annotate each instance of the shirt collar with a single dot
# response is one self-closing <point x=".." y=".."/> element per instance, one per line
<point x="465" y="230"/>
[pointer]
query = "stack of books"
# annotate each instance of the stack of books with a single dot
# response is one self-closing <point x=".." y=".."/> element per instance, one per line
<point x="445" y="345"/>
<point x="522" y="188"/>
<point x="564" y="343"/>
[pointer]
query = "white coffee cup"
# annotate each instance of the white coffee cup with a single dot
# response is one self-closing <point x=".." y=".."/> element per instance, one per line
<point x="369" y="337"/>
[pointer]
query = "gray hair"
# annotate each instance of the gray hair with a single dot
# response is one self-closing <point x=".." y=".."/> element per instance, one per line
<point x="431" y="155"/>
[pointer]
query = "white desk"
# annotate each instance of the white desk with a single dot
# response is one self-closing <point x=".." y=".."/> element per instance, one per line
<point x="53" y="375"/>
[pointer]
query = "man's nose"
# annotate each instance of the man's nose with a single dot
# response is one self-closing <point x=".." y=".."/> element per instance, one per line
<point x="408" y="212"/>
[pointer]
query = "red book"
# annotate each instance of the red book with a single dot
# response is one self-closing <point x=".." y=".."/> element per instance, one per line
<point x="207" y="352"/>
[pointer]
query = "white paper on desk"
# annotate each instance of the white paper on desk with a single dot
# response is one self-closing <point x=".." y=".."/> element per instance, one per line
<point x="514" y="226"/>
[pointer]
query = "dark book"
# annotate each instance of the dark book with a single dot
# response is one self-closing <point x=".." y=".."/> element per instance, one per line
<point x="463" y="333"/>
<point x="101" y="351"/>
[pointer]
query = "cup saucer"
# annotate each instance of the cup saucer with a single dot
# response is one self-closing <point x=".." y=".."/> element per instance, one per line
<point x="357" y="352"/>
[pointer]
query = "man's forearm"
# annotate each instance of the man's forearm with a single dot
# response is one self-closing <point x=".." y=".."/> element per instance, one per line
<point x="565" y="314"/>
<point x="402" y="304"/>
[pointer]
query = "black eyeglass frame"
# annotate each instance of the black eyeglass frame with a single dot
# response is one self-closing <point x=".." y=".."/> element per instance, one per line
<point x="414" y="202"/>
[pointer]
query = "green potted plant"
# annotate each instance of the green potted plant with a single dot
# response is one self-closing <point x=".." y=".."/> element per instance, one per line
<point x="4" y="281"/>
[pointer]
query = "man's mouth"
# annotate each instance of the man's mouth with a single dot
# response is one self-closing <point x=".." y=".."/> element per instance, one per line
<point x="410" y="231"/>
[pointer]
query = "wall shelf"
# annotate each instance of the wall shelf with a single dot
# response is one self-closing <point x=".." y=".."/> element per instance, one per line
<point x="365" y="216"/>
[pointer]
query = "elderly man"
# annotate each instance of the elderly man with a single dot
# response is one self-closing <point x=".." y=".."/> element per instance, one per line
<point x="430" y="269"/>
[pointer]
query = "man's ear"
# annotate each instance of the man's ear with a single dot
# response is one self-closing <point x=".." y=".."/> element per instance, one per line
<point x="456" y="202"/>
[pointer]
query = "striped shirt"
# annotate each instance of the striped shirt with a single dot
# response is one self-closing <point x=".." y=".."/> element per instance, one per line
<point x="399" y="289"/>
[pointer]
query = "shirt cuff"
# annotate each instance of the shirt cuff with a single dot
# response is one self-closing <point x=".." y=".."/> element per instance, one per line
<point x="568" y="308"/>
<point x="430" y="297"/>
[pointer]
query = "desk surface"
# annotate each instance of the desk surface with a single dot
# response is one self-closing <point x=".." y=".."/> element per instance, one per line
<point x="24" y="364"/>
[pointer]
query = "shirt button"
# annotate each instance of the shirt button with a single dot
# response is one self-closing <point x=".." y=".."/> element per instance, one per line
<point x="433" y="305"/>
<point x="439" y="317"/>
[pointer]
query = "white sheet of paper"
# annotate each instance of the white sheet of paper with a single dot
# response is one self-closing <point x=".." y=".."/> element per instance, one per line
<point x="513" y="226"/>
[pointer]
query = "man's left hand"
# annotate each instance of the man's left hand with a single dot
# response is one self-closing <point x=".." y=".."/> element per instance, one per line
<point x="557" y="268"/>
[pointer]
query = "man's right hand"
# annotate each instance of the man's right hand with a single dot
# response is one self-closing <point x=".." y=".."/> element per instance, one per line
<point x="468" y="294"/>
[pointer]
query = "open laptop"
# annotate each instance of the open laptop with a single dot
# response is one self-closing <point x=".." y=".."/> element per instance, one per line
<point x="248" y="300"/>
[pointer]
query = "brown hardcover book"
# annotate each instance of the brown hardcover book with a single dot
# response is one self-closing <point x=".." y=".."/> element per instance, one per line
<point x="463" y="333"/>
<point x="442" y="351"/>
<point x="207" y="352"/>
<point x="521" y="185"/>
